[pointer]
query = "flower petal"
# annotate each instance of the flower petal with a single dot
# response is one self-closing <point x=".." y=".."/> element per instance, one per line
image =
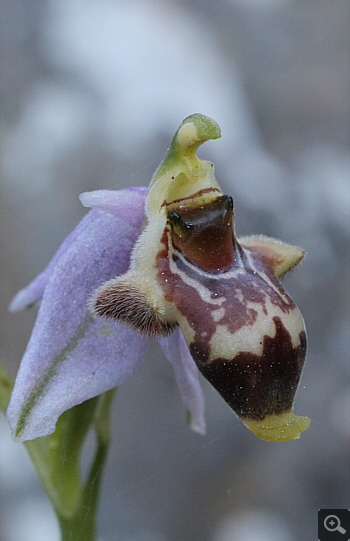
<point x="125" y="204"/>
<point x="71" y="357"/>
<point x="186" y="375"/>
<point x="34" y="291"/>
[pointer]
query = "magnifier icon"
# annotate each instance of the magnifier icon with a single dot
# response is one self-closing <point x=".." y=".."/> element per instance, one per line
<point x="332" y="524"/>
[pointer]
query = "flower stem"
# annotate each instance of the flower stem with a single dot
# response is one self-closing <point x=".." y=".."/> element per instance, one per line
<point x="79" y="527"/>
<point x="57" y="460"/>
<point x="82" y="524"/>
<point x="6" y="386"/>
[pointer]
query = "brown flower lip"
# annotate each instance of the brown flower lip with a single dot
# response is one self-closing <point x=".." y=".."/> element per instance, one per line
<point x="256" y="382"/>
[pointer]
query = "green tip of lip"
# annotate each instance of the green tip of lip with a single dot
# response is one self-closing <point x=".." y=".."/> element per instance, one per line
<point x="282" y="427"/>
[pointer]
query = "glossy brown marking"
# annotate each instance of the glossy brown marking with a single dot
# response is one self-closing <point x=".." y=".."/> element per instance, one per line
<point x="120" y="301"/>
<point x="205" y="238"/>
<point x="255" y="386"/>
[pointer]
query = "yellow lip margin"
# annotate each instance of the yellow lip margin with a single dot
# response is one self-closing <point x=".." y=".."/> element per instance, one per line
<point x="279" y="427"/>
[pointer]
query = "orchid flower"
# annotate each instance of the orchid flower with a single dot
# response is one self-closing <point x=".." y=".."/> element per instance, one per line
<point x="165" y="263"/>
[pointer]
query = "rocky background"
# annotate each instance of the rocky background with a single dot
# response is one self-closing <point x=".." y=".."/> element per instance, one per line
<point x="91" y="95"/>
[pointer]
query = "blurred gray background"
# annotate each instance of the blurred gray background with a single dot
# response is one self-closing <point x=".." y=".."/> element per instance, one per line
<point x="91" y="95"/>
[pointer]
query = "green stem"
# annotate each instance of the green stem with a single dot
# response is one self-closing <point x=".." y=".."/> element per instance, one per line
<point x="6" y="386"/>
<point x="57" y="460"/>
<point x="81" y="526"/>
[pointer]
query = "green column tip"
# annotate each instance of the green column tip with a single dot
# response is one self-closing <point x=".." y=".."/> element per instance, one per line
<point x="195" y="130"/>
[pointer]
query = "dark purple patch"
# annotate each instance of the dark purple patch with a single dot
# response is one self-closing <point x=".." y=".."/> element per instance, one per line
<point x="255" y="386"/>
